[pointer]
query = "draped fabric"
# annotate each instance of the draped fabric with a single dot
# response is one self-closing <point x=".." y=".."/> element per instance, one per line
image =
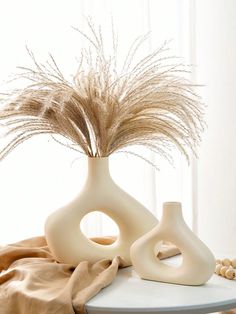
<point x="31" y="281"/>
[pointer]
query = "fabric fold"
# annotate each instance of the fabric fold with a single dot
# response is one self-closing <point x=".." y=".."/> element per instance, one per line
<point x="32" y="281"/>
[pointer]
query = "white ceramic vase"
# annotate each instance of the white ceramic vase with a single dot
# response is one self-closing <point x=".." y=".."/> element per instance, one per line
<point x="198" y="263"/>
<point x="100" y="193"/>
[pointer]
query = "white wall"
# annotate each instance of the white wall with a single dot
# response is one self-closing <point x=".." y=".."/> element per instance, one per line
<point x="216" y="68"/>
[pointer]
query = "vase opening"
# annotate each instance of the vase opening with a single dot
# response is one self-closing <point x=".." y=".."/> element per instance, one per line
<point x="92" y="223"/>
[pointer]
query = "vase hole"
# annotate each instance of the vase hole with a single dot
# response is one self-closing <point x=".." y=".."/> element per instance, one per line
<point x="175" y="261"/>
<point x="99" y="228"/>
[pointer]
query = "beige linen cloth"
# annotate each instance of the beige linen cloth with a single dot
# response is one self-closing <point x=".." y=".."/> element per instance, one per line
<point x="33" y="282"/>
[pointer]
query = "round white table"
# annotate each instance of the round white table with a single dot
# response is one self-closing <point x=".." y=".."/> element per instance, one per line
<point x="130" y="294"/>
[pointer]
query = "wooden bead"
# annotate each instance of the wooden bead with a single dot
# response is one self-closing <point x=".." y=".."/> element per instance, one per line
<point x="218" y="268"/>
<point x="223" y="270"/>
<point x="233" y="263"/>
<point x="226" y="262"/>
<point x="230" y="273"/>
<point x="218" y="261"/>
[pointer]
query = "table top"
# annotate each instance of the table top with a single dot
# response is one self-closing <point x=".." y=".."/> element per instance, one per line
<point x="130" y="294"/>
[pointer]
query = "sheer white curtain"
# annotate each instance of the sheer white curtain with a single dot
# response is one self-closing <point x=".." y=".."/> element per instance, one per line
<point x="41" y="175"/>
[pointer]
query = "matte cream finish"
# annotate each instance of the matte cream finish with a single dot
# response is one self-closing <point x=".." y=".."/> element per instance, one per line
<point x="100" y="193"/>
<point x="198" y="262"/>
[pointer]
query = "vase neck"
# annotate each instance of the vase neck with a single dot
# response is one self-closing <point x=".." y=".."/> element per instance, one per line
<point x="98" y="168"/>
<point x="172" y="211"/>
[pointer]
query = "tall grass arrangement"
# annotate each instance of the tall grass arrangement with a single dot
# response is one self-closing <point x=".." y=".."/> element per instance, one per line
<point x="102" y="110"/>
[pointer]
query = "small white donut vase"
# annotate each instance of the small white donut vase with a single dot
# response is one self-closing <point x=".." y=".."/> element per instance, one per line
<point x="100" y="193"/>
<point x="198" y="263"/>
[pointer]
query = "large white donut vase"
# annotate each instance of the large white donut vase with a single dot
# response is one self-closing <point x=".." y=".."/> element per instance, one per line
<point x="100" y="193"/>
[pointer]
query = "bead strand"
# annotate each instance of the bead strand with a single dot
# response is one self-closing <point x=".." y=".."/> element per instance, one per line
<point x="225" y="268"/>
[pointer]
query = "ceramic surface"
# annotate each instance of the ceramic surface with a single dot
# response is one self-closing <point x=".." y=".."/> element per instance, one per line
<point x="100" y="193"/>
<point x="198" y="262"/>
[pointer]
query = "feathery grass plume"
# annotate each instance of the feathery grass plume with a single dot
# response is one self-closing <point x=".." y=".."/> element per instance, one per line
<point x="104" y="110"/>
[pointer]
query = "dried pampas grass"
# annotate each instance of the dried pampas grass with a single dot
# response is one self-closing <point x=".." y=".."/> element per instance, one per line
<point x="102" y="110"/>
